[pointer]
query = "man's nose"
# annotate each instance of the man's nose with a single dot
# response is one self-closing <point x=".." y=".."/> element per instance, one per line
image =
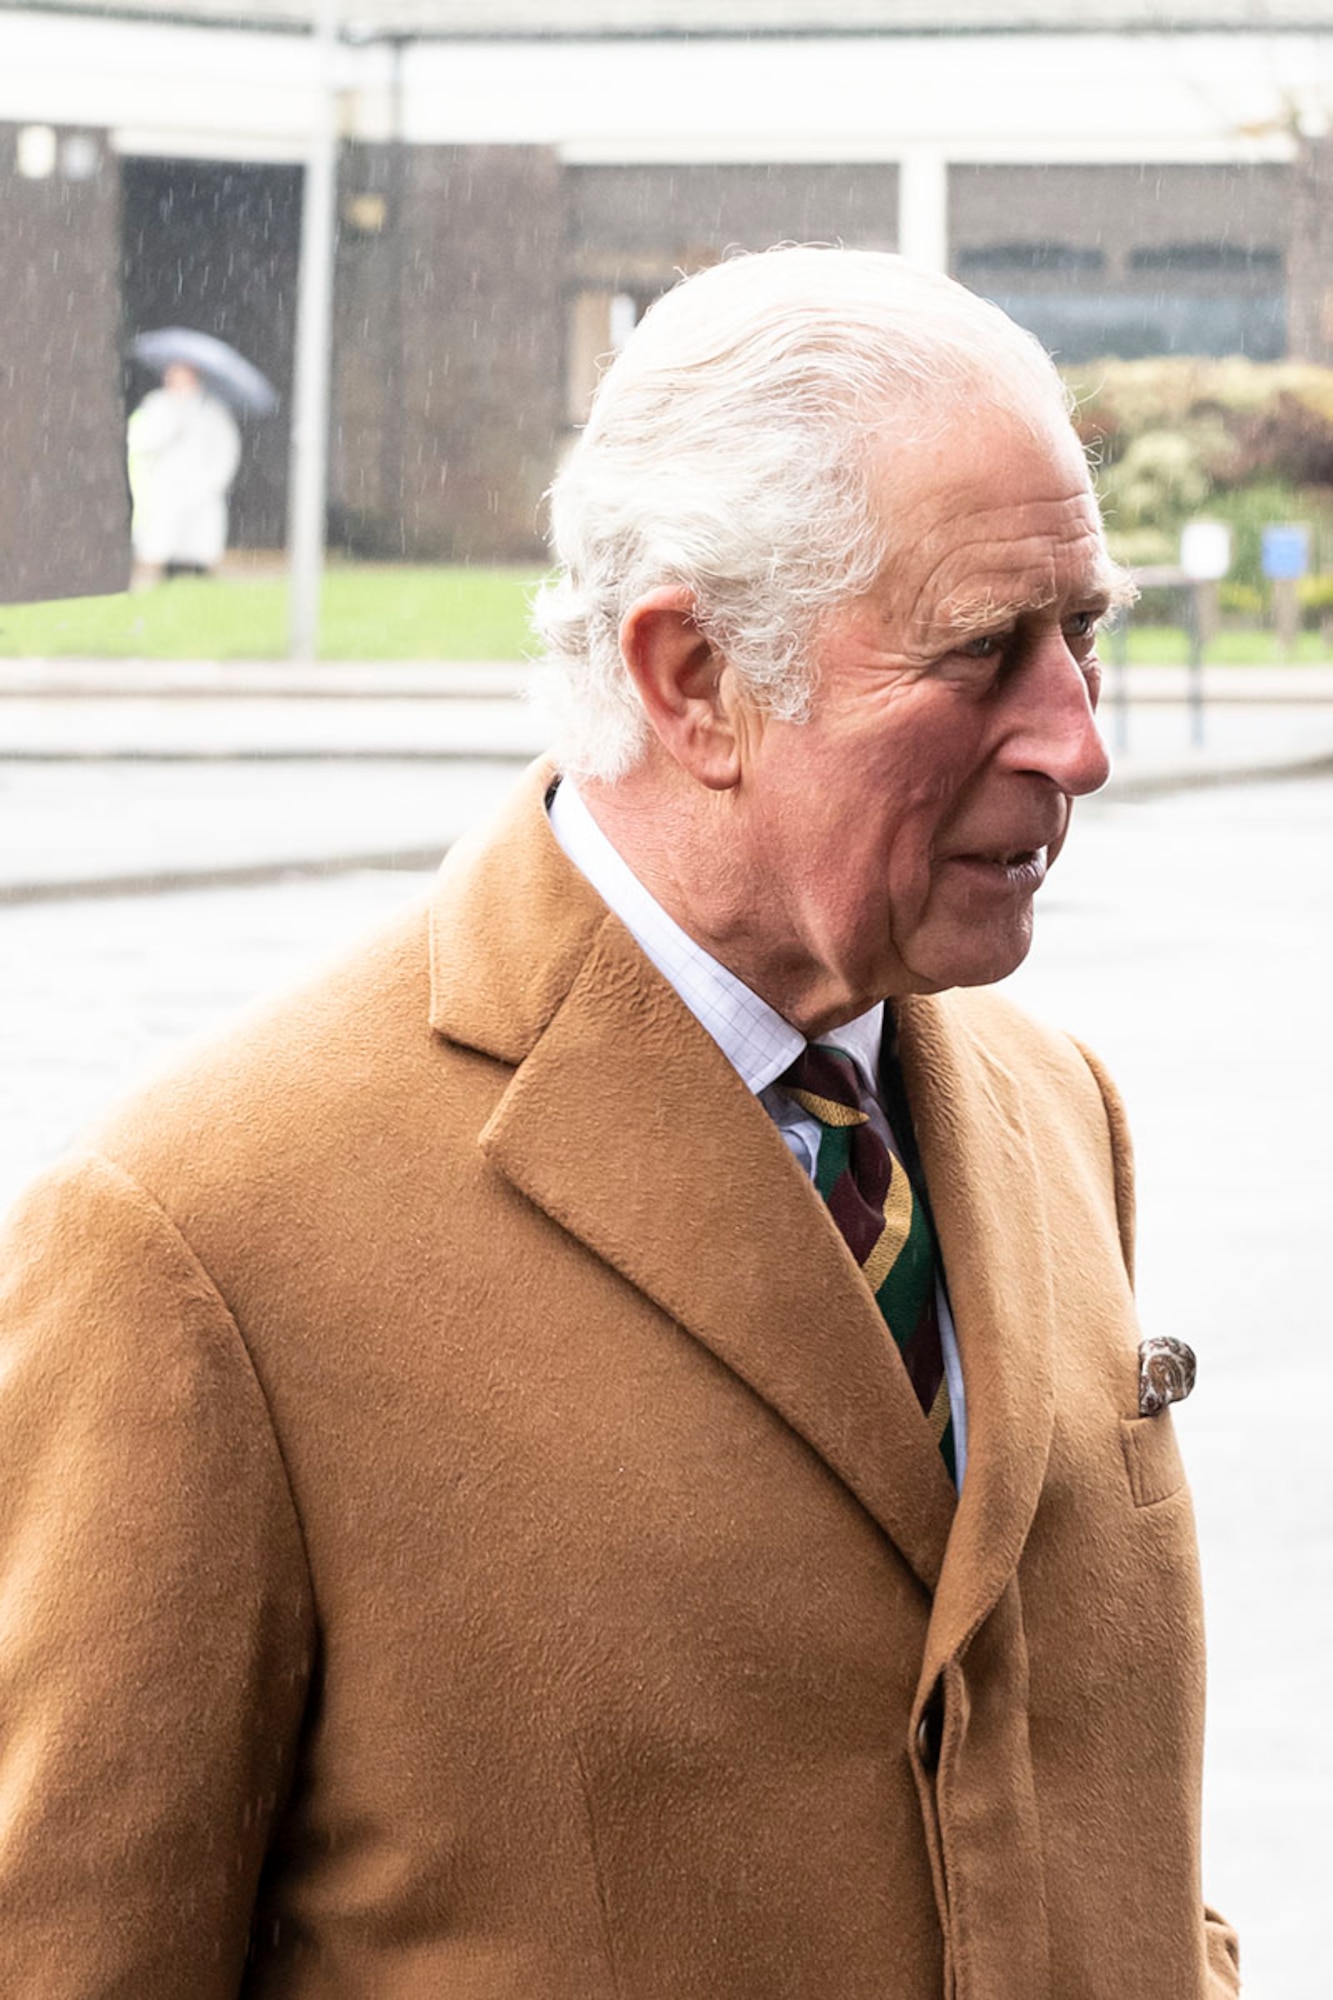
<point x="1057" y="734"/>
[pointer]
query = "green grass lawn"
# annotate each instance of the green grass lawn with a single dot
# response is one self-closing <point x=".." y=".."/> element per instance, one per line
<point x="383" y="611"/>
<point x="370" y="612"/>
<point x="1169" y="646"/>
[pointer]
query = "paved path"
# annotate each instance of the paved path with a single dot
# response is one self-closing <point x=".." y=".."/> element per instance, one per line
<point x="132" y="777"/>
<point x="329" y="679"/>
<point x="117" y="828"/>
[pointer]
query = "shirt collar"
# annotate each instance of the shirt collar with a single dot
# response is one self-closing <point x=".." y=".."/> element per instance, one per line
<point x="756" y="1040"/>
<point x="860" y="1039"/>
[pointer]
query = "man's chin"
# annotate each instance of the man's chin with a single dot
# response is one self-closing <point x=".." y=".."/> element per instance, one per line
<point x="971" y="960"/>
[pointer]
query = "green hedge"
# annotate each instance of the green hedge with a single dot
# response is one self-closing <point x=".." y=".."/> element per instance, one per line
<point x="1175" y="438"/>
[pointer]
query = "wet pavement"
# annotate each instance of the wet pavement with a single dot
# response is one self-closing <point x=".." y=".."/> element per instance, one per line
<point x="1187" y="935"/>
<point x="138" y="775"/>
<point x="92" y="828"/>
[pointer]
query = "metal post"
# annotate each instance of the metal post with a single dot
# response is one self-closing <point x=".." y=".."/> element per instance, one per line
<point x="1195" y="623"/>
<point x="1287" y="612"/>
<point x="314" y="322"/>
<point x="393" y="483"/>
<point x="1120" y="680"/>
<point x="923" y="206"/>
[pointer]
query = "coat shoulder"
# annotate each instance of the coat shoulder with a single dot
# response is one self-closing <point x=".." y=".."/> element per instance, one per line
<point x="284" y="1077"/>
<point x="1033" y="1049"/>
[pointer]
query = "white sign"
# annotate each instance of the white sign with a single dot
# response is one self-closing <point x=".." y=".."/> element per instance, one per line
<point x="36" y="151"/>
<point x="1205" y="550"/>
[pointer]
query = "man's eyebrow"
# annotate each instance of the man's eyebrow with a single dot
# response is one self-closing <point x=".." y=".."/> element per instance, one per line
<point x="1108" y="588"/>
<point x="972" y="613"/>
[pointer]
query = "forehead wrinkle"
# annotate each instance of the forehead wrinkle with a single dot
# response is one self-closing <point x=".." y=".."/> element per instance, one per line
<point x="982" y="607"/>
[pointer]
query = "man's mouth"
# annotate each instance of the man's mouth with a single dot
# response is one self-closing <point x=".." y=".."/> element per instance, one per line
<point x="1015" y="867"/>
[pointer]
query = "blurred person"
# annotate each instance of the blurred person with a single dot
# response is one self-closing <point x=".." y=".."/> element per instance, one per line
<point x="184" y="452"/>
<point x="604" y="1448"/>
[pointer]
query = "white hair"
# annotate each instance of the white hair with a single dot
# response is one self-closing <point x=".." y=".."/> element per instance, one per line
<point x="728" y="452"/>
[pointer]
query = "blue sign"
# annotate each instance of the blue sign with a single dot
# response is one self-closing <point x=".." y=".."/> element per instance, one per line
<point x="1286" y="552"/>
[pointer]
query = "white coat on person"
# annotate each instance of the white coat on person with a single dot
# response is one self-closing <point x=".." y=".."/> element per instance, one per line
<point x="184" y="450"/>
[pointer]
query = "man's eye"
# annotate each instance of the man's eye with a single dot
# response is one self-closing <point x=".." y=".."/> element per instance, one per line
<point x="984" y="648"/>
<point x="1083" y="625"/>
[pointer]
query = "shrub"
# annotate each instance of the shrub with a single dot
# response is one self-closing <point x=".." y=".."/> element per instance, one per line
<point x="1157" y="480"/>
<point x="1246" y="441"/>
<point x="1314" y="594"/>
<point x="1143" y="548"/>
<point x="1241" y="600"/>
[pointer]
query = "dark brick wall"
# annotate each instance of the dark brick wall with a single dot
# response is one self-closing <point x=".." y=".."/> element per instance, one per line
<point x="64" y="503"/>
<point x="632" y="227"/>
<point x="448" y="349"/>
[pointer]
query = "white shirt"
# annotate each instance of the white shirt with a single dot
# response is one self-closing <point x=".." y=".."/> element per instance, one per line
<point x="756" y="1040"/>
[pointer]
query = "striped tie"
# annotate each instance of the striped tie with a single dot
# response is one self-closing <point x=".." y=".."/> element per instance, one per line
<point x="886" y="1228"/>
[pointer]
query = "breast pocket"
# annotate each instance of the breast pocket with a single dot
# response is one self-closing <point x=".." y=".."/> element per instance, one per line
<point x="1152" y="1458"/>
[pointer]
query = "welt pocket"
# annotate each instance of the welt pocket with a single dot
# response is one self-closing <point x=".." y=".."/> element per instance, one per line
<point x="1152" y="1458"/>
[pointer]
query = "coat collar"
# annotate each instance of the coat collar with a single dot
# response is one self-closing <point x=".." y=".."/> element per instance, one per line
<point x="624" y="1122"/>
<point x="511" y="923"/>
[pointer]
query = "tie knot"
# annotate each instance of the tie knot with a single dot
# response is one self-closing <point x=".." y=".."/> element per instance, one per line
<point x="824" y="1082"/>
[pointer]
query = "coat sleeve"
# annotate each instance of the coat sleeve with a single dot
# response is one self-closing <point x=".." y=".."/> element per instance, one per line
<point x="1222" y="1948"/>
<point x="156" y="1625"/>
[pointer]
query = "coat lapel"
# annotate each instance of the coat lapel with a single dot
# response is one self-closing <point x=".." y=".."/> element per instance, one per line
<point x="988" y="1198"/>
<point x="625" y="1123"/>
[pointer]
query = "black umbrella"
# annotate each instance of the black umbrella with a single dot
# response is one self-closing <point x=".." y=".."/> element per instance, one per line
<point x="224" y="371"/>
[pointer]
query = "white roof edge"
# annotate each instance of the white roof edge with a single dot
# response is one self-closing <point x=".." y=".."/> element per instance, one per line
<point x="496" y="20"/>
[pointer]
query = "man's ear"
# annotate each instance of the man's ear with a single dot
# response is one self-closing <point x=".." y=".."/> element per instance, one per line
<point x="680" y="678"/>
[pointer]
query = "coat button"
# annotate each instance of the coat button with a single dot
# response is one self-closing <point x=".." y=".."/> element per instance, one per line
<point x="929" y="1732"/>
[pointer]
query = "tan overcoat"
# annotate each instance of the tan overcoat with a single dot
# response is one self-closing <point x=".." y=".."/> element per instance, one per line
<point x="464" y="1535"/>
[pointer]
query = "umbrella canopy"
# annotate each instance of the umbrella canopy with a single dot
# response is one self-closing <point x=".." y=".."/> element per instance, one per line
<point x="224" y="371"/>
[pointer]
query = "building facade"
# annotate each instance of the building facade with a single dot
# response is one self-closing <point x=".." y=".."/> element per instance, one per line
<point x="507" y="205"/>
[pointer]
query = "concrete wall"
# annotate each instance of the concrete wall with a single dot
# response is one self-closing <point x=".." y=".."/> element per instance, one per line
<point x="633" y="226"/>
<point x="1310" y="322"/>
<point x="64" y="503"/>
<point x="1096" y="259"/>
<point x="1130" y="259"/>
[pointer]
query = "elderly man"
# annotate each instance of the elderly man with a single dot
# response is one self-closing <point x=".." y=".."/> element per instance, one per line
<point x="599" y="1451"/>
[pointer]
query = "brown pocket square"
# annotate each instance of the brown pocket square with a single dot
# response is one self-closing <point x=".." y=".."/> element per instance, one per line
<point x="1166" y="1373"/>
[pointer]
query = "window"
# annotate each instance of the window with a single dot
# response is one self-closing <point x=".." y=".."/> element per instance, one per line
<point x="1227" y="257"/>
<point x="1036" y="253"/>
